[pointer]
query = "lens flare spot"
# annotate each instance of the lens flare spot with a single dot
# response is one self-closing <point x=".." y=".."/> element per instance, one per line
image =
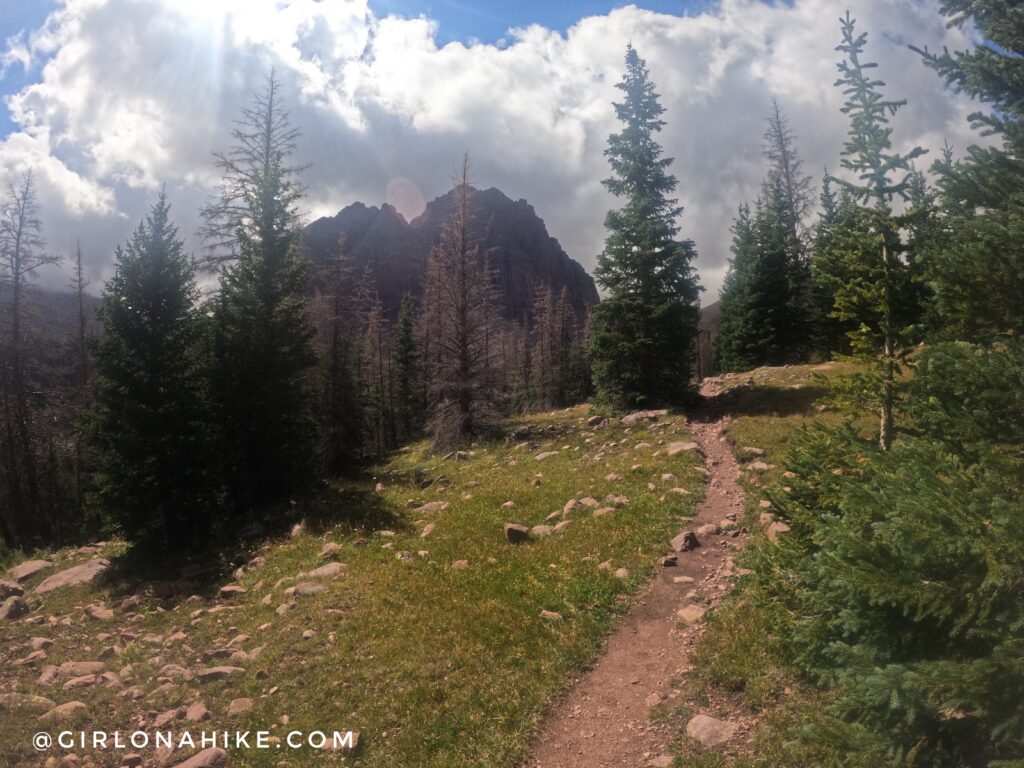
<point x="406" y="197"/>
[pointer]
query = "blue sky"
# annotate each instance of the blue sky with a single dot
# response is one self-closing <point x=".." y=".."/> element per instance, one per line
<point x="462" y="20"/>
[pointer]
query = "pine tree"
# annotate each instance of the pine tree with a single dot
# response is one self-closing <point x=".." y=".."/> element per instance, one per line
<point x="407" y="369"/>
<point x="643" y="336"/>
<point x="868" y="155"/>
<point x="151" y="425"/>
<point x="465" y="340"/>
<point x="831" y="334"/>
<point x="736" y="346"/>
<point x="978" y="275"/>
<point x="263" y="334"/>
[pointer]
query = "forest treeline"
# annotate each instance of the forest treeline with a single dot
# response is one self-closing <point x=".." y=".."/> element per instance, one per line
<point x="196" y="409"/>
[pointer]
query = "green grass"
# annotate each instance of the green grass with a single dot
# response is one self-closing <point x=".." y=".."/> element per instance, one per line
<point x="436" y="667"/>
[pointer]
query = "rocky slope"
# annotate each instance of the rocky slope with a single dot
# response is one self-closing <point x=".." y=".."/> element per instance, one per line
<point x="515" y="240"/>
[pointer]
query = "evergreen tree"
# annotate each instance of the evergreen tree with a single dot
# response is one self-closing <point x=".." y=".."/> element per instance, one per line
<point x="406" y="366"/>
<point x="736" y="345"/>
<point x="831" y="333"/>
<point x="874" y="284"/>
<point x="151" y="424"/>
<point x="978" y="274"/>
<point x="264" y="338"/>
<point x="643" y="336"/>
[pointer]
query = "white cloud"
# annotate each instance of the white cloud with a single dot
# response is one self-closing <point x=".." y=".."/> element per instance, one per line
<point x="135" y="93"/>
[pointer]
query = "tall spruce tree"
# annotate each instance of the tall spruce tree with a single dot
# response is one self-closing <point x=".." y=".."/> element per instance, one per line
<point x="406" y="364"/>
<point x="874" y="284"/>
<point x="151" y="425"/>
<point x="978" y="274"/>
<point x="736" y="345"/>
<point x="263" y="334"/>
<point x="643" y="336"/>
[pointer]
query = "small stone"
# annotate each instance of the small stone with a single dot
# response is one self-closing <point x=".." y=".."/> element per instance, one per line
<point x="460" y="565"/>
<point x="669" y="561"/>
<point x="85" y="681"/>
<point x="685" y="542"/>
<point x="516" y="534"/>
<point x="603" y="511"/>
<point x="709" y="731"/>
<point x="427" y="530"/>
<point x="661" y="761"/>
<point x="612" y="477"/>
<point x="330" y="551"/>
<point x="752" y="451"/>
<point x="710" y="529"/>
<point x="238" y="706"/>
<point x="691" y="614"/>
<point x="208" y="758"/>
<point x="210" y="674"/>
<point x="99" y="612"/>
<point x="653" y="700"/>
<point x="541" y="531"/>
<point x="508" y="505"/>
<point x="605" y="566"/>
<point x="307" y="588"/>
<point x="62" y="711"/>
<point x="563" y="526"/>
<point x="545" y="455"/>
<point x="9" y="701"/>
<point x="682" y="580"/>
<point x="231" y="590"/>
<point x="775" y="529"/>
<point x="621" y="573"/>
<point x="298" y="529"/>
<point x="197" y="712"/>
<point x="764" y="504"/>
<point x="551" y="615"/>
<point x="10" y="589"/>
<point x="79" y="668"/>
<point x="674" y="449"/>
<point x="760" y="466"/>
<point x="13" y="607"/>
<point x="328" y="571"/>
<point x="131" y="760"/>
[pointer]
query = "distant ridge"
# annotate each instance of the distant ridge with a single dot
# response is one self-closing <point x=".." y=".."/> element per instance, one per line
<point x="517" y="244"/>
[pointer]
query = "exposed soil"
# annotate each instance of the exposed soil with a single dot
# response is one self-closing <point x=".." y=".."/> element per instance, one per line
<point x="604" y="719"/>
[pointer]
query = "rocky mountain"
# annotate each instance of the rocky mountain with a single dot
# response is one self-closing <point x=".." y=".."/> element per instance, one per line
<point x="517" y="244"/>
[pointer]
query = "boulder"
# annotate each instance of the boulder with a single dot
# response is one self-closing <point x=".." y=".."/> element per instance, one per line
<point x="229" y="591"/>
<point x="709" y="731"/>
<point x="11" y="701"/>
<point x="691" y="614"/>
<point x="62" y="711"/>
<point x="210" y="674"/>
<point x="86" y="573"/>
<point x="685" y="542"/>
<point x="516" y="534"/>
<point x="682" y="446"/>
<point x="13" y="608"/>
<point x="208" y="758"/>
<point x="28" y="569"/>
<point x="10" y="589"/>
<point x="80" y="668"/>
<point x="640" y="417"/>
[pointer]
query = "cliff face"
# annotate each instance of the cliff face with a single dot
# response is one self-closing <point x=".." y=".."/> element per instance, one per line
<point x="514" y="239"/>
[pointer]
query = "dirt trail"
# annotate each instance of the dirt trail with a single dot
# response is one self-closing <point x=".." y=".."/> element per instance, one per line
<point x="604" y="718"/>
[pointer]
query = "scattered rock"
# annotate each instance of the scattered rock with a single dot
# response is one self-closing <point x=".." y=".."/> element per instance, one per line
<point x="516" y="534"/>
<point x="653" y="700"/>
<point x="682" y="579"/>
<point x="208" y="758"/>
<point x="229" y="591"/>
<point x="508" y="505"/>
<point x="431" y="507"/>
<point x="764" y="504"/>
<point x="685" y="542"/>
<point x="298" y="529"/>
<point x="328" y="571"/>
<point x="541" y="531"/>
<point x="86" y="573"/>
<point x="10" y="589"/>
<point x="63" y="710"/>
<point x="99" y="612"/>
<point x="669" y="561"/>
<point x="621" y="573"/>
<point x="691" y="613"/>
<point x="709" y="529"/>
<point x="760" y="466"/>
<point x="9" y="701"/>
<point x="85" y="681"/>
<point x="197" y="712"/>
<point x="595" y="421"/>
<point x="603" y="511"/>
<point x="238" y="706"/>
<point x="545" y="455"/>
<point x="210" y="674"/>
<point x="13" y="608"/>
<point x="616" y="501"/>
<point x="709" y="731"/>
<point x="639" y="417"/>
<point x="427" y="530"/>
<point x="682" y="446"/>
<point x="551" y="615"/>
<point x="40" y="643"/>
<point x="79" y="668"/>
<point x="28" y="569"/>
<point x="460" y="565"/>
<point x="307" y="588"/>
<point x="775" y="529"/>
<point x="661" y="761"/>
<point x="330" y="551"/>
<point x="612" y="477"/>
<point x="563" y="526"/>
<point x="752" y="451"/>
